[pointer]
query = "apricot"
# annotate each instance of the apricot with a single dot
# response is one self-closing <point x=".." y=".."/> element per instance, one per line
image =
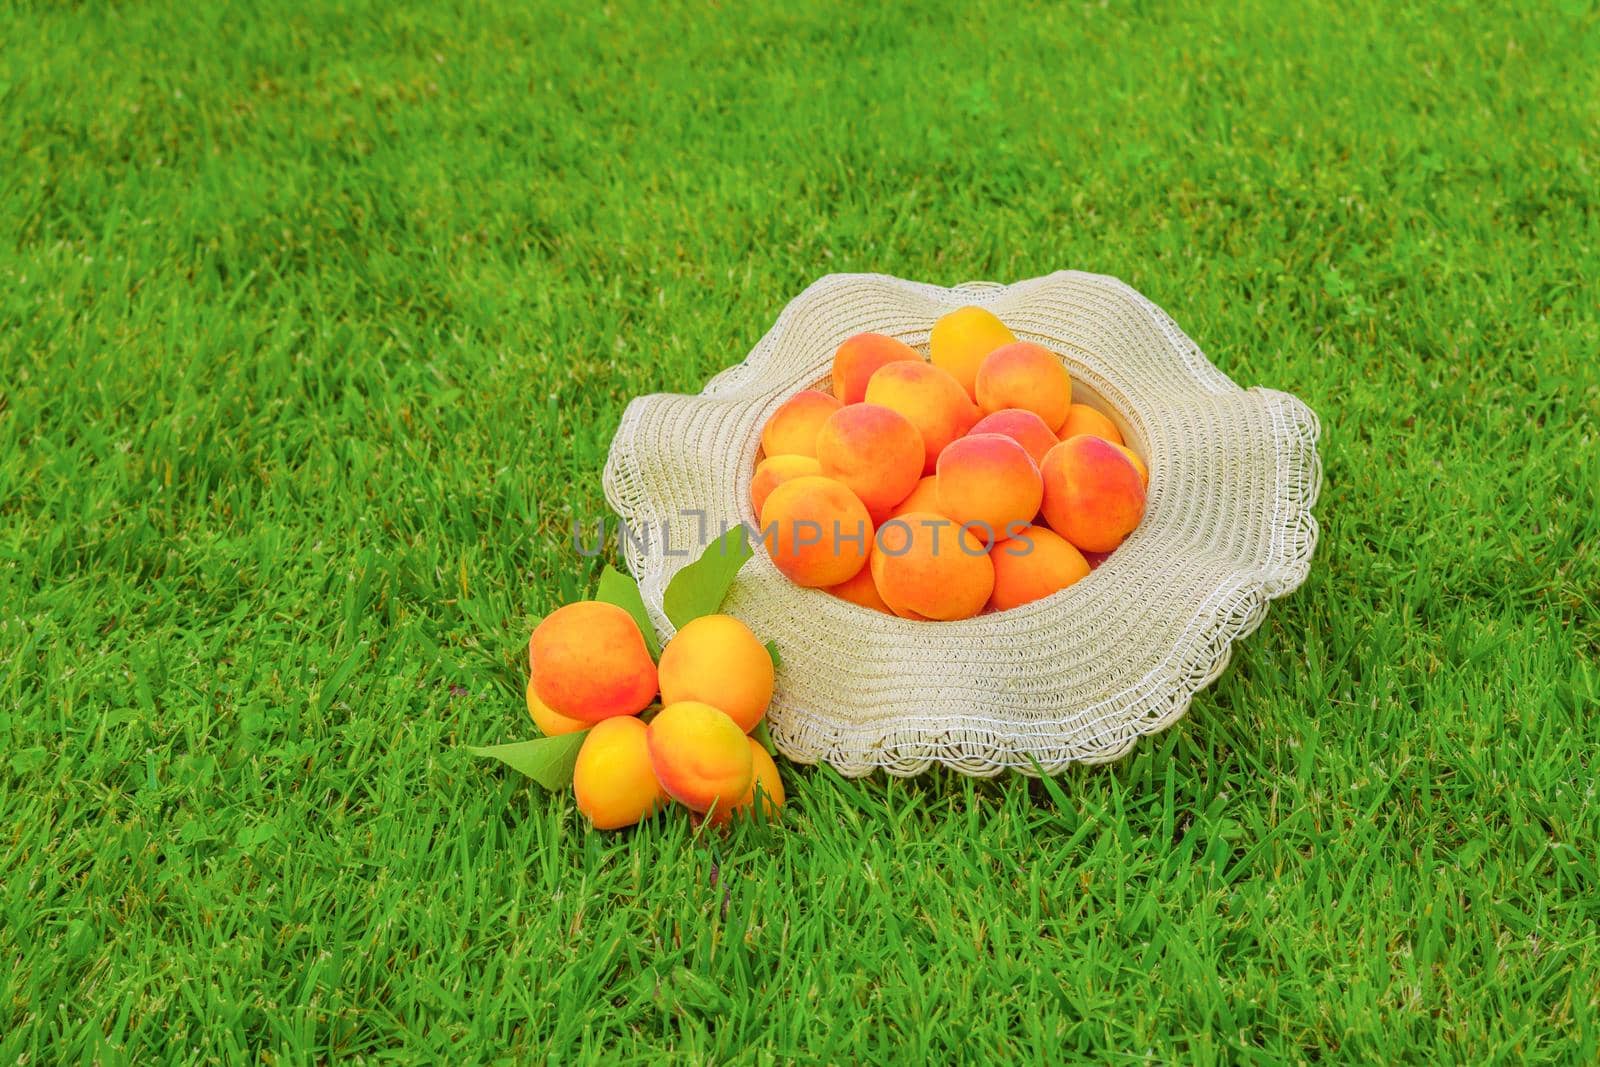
<point x="933" y="401"/>
<point x="1034" y="564"/>
<point x="774" y="471"/>
<point x="1081" y="418"/>
<point x="716" y="660"/>
<point x="1138" y="464"/>
<point x="792" y="429"/>
<point x="764" y="781"/>
<point x="550" y="723"/>
<point x="862" y="590"/>
<point x="961" y="340"/>
<point x="874" y="452"/>
<point x="700" y="755"/>
<point x="590" y="662"/>
<point x="1028" y="376"/>
<point x="1023" y="427"/>
<point x="614" y="780"/>
<point x="925" y="497"/>
<point x="1092" y="494"/>
<point x="816" y="530"/>
<point x="928" y="567"/>
<point x="989" y="480"/>
<point x="859" y="357"/>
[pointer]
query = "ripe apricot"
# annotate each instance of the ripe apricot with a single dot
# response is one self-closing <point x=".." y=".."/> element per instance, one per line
<point x="1034" y="564"/>
<point x="1138" y="464"/>
<point x="716" y="660"/>
<point x="614" y="780"/>
<point x="862" y="590"/>
<point x="764" y="781"/>
<point x="792" y="429"/>
<point x="700" y="755"/>
<point x="1081" y="418"/>
<point x="550" y="723"/>
<point x="774" y="471"/>
<point x="874" y="452"/>
<point x="590" y="662"/>
<point x="990" y="481"/>
<point x="1023" y="427"/>
<point x="859" y="357"/>
<point x="927" y="567"/>
<point x="816" y="530"/>
<point x="925" y="497"/>
<point x="1092" y="494"/>
<point x="961" y="340"/>
<point x="933" y="401"/>
<point x="1028" y="376"/>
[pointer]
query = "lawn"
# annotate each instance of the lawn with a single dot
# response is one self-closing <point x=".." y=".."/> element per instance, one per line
<point x="316" y="321"/>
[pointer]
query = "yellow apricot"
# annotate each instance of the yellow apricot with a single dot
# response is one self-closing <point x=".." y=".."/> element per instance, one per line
<point x="927" y="567"/>
<point x="1138" y="464"/>
<point x="550" y="723"/>
<point x="1081" y="418"/>
<point x="859" y="357"/>
<point x="961" y="340"/>
<point x="933" y="401"/>
<point x="613" y="779"/>
<point x="765" y="782"/>
<point x="700" y="755"/>
<point x="1092" y="493"/>
<point x="792" y="429"/>
<point x="1028" y="376"/>
<point x="990" y="481"/>
<point x="1034" y="564"/>
<point x="816" y="530"/>
<point x="716" y="660"/>
<point x="589" y="662"/>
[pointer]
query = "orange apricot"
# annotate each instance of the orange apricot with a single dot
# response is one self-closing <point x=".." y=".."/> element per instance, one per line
<point x="816" y="530"/>
<point x="859" y="357"/>
<point x="1081" y="418"/>
<point x="1092" y="494"/>
<point x="792" y="429"/>
<point x="1028" y="376"/>
<point x="614" y="779"/>
<point x="961" y="340"/>
<point x="774" y="471"/>
<point x="1138" y="464"/>
<point x="550" y="723"/>
<point x="928" y="567"/>
<point x="933" y="401"/>
<point x="1023" y="427"/>
<point x="765" y="782"/>
<point x="862" y="590"/>
<point x="590" y="662"/>
<point x="716" y="660"/>
<point x="989" y="481"/>
<point x="925" y="497"/>
<point x="1034" y="564"/>
<point x="700" y="755"/>
<point x="874" y="452"/>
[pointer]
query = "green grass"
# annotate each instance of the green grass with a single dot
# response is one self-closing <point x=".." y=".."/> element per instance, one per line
<point x="315" y="326"/>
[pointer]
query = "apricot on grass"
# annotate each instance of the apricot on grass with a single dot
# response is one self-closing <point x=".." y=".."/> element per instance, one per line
<point x="817" y="531"/>
<point x="1034" y="564"/>
<point x="925" y="497"/>
<point x="700" y="755"/>
<point x="874" y="452"/>
<point x="792" y="429"/>
<point x="933" y="401"/>
<point x="859" y="356"/>
<point x="961" y="340"/>
<point x="590" y="662"/>
<point x="1028" y="376"/>
<point x="1023" y="427"/>
<point x="927" y="566"/>
<point x="614" y="779"/>
<point x="716" y="660"/>
<point x="550" y="723"/>
<point x="765" y="782"/>
<point x="1092" y="494"/>
<point x="989" y="480"/>
<point x="862" y="590"/>
<point x="1081" y="418"/>
<point x="774" y="471"/>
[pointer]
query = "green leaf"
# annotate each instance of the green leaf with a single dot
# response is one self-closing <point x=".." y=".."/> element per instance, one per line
<point x="700" y="587"/>
<point x="763" y="738"/>
<point x="772" y="650"/>
<point x="617" y="588"/>
<point x="547" y="760"/>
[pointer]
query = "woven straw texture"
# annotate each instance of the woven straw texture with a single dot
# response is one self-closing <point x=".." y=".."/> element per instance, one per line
<point x="1076" y="677"/>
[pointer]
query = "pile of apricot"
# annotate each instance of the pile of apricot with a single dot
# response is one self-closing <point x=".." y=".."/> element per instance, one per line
<point x="591" y="670"/>
<point x="943" y="487"/>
